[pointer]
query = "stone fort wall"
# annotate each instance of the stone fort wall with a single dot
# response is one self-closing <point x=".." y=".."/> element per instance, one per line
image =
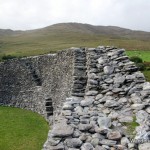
<point x="30" y="82"/>
<point x="93" y="93"/>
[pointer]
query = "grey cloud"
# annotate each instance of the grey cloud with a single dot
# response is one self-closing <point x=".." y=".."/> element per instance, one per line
<point x="31" y="14"/>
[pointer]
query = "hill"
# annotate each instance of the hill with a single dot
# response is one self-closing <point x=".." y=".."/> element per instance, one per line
<point x="64" y="35"/>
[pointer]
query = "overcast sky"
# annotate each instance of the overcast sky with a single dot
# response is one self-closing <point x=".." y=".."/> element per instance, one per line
<point x="32" y="14"/>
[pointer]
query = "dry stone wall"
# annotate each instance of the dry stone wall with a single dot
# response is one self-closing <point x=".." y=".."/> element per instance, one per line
<point x="97" y="117"/>
<point x="95" y="98"/>
<point x="29" y="82"/>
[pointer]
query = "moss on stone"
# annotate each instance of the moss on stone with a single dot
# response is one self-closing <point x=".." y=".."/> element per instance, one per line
<point x="131" y="126"/>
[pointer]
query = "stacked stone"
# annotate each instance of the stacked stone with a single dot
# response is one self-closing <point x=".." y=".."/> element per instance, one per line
<point x="79" y="73"/>
<point x="116" y="93"/>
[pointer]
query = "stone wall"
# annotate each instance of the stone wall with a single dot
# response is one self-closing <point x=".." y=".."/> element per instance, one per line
<point x="96" y="94"/>
<point x="116" y="98"/>
<point x="28" y="82"/>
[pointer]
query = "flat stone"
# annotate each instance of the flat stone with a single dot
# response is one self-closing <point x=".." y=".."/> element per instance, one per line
<point x="84" y="127"/>
<point x="108" y="69"/>
<point x="99" y="148"/>
<point x="119" y="80"/>
<point x="141" y="116"/>
<point x="104" y="122"/>
<point x="144" y="146"/>
<point x="60" y="146"/>
<point x="125" y="118"/>
<point x="114" y="135"/>
<point x="92" y="93"/>
<point x="137" y="106"/>
<point x="101" y="60"/>
<point x="87" y="146"/>
<point x="54" y="141"/>
<point x="62" y="130"/>
<point x="87" y="102"/>
<point x="148" y="109"/>
<point x="108" y="142"/>
<point x="146" y="86"/>
<point x="67" y="106"/>
<point x="99" y="96"/>
<point x="111" y="103"/>
<point x="125" y="141"/>
<point x="73" y="143"/>
<point x="95" y="142"/>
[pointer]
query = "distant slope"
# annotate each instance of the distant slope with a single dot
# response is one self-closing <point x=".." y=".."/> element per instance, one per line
<point x="64" y="35"/>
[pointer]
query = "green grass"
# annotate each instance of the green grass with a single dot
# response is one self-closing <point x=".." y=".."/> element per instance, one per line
<point x="145" y="55"/>
<point x="147" y="75"/>
<point x="21" y="129"/>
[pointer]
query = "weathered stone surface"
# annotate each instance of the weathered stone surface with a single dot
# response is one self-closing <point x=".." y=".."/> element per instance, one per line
<point x="87" y="102"/>
<point x="62" y="130"/>
<point x="91" y="93"/>
<point x="108" y="69"/>
<point x="87" y="146"/>
<point x="60" y="146"/>
<point x="148" y="110"/>
<point x="138" y="106"/>
<point x="101" y="83"/>
<point x="104" y="122"/>
<point x="114" y="135"/>
<point x="141" y="116"/>
<point x="73" y="143"/>
<point x="108" y="142"/>
<point x="144" y="146"/>
<point x="84" y="127"/>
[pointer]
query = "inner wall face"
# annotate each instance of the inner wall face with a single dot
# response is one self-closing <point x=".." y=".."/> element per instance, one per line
<point x="39" y="83"/>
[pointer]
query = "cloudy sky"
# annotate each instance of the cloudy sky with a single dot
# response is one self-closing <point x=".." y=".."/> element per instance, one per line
<point x="32" y="14"/>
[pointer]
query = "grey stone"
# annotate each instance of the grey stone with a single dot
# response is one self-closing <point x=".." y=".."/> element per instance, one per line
<point x="54" y="141"/>
<point x="60" y="146"/>
<point x="95" y="142"/>
<point x="92" y="93"/>
<point x="141" y="116"/>
<point x="104" y="122"/>
<point x="73" y="143"/>
<point x="144" y="146"/>
<point x="111" y="103"/>
<point x="119" y="80"/>
<point x="125" y="141"/>
<point x="67" y="106"/>
<point x="87" y="146"/>
<point x="87" y="102"/>
<point x="62" y="130"/>
<point x="125" y="118"/>
<point x="101" y="60"/>
<point x="114" y="135"/>
<point x="108" y="142"/>
<point x="99" y="96"/>
<point x="99" y="148"/>
<point x="108" y="69"/>
<point x="148" y="109"/>
<point x="84" y="127"/>
<point x="137" y="106"/>
<point x="146" y="86"/>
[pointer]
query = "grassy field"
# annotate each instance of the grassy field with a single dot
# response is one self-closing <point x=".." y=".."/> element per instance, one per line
<point x="145" y="55"/>
<point x="21" y="129"/>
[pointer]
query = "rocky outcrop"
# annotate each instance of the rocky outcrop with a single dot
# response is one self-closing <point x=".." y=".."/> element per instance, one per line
<point x="107" y="101"/>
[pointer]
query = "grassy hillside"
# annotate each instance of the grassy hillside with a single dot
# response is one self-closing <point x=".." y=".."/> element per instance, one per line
<point x="61" y="36"/>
